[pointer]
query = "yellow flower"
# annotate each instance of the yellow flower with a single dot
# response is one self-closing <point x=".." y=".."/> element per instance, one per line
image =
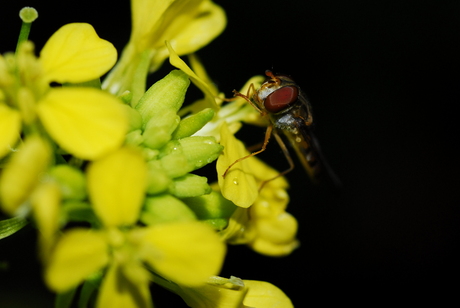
<point x="230" y="293"/>
<point x="22" y="174"/>
<point x="188" y="24"/>
<point x="265" y="226"/>
<point x="270" y="230"/>
<point x="24" y="187"/>
<point x="85" y="122"/>
<point x="184" y="252"/>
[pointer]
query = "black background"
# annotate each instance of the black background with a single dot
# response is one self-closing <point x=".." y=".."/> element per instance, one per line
<point x="382" y="77"/>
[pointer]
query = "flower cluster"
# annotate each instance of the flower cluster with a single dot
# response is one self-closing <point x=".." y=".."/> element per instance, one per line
<point x="105" y="170"/>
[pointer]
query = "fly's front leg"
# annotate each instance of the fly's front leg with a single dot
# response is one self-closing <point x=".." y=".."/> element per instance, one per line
<point x="268" y="133"/>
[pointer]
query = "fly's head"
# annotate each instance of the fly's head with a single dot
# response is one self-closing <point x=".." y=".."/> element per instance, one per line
<point x="277" y="94"/>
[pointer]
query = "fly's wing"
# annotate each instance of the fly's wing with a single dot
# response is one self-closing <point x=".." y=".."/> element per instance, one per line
<point x="309" y="153"/>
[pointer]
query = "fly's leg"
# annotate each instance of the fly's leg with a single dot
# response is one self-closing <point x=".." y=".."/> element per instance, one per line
<point x="268" y="133"/>
<point x="247" y="97"/>
<point x="288" y="158"/>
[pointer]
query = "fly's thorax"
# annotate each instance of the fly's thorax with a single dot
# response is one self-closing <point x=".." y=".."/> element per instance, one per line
<point x="285" y="122"/>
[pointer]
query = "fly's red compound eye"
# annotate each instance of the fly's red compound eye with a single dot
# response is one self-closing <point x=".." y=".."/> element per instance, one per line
<point x="281" y="99"/>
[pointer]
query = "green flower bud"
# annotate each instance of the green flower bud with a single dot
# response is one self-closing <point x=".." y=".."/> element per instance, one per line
<point x="150" y="154"/>
<point x="158" y="179"/>
<point x="175" y="165"/>
<point x="193" y="123"/>
<point x="166" y="94"/>
<point x="159" y="128"/>
<point x="71" y="181"/>
<point x="189" y="185"/>
<point x="212" y="208"/>
<point x="199" y="150"/>
<point x="165" y="208"/>
<point x="134" y="138"/>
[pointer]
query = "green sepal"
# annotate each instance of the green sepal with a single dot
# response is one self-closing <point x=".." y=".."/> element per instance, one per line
<point x="164" y="209"/>
<point x="95" y="83"/>
<point x="64" y="300"/>
<point x="88" y="289"/>
<point x="166" y="94"/>
<point x="77" y="211"/>
<point x="189" y="185"/>
<point x="11" y="225"/>
<point x="190" y="125"/>
<point x="72" y="182"/>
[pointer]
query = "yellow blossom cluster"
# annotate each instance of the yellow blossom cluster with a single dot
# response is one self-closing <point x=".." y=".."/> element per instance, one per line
<point x="104" y="170"/>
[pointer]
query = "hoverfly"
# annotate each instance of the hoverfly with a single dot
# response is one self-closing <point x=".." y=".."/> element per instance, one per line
<point x="282" y="101"/>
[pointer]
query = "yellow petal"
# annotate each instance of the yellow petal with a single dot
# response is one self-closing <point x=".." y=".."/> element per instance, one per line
<point x="239" y="229"/>
<point x="264" y="294"/>
<point x="10" y="123"/>
<point x="187" y="253"/>
<point x="207" y="24"/>
<point x="46" y="200"/>
<point x="117" y="185"/>
<point x="189" y="28"/>
<point x="217" y="292"/>
<point x="23" y="172"/>
<point x="76" y="54"/>
<point x="180" y="64"/>
<point x="239" y="184"/>
<point x="146" y="17"/>
<point x="272" y="249"/>
<point x="276" y="236"/>
<point x="119" y="292"/>
<point x="78" y="254"/>
<point x="86" y="122"/>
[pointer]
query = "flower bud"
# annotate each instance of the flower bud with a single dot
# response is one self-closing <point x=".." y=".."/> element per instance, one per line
<point x="193" y="123"/>
<point x="212" y="208"/>
<point x="71" y="181"/>
<point x="189" y="185"/>
<point x="158" y="179"/>
<point x="166" y="94"/>
<point x="165" y="208"/>
<point x="198" y="150"/>
<point x="159" y="128"/>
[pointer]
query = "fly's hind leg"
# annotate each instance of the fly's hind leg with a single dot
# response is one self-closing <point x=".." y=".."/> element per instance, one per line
<point x="288" y="158"/>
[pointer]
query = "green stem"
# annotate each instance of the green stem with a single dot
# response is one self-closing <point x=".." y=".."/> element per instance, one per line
<point x="23" y="34"/>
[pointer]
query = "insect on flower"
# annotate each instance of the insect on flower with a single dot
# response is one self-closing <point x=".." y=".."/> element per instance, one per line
<point x="282" y="101"/>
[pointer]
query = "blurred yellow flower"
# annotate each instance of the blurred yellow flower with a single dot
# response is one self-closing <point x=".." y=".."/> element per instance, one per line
<point x="23" y="174"/>
<point x="184" y="252"/>
<point x="85" y="122"/>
